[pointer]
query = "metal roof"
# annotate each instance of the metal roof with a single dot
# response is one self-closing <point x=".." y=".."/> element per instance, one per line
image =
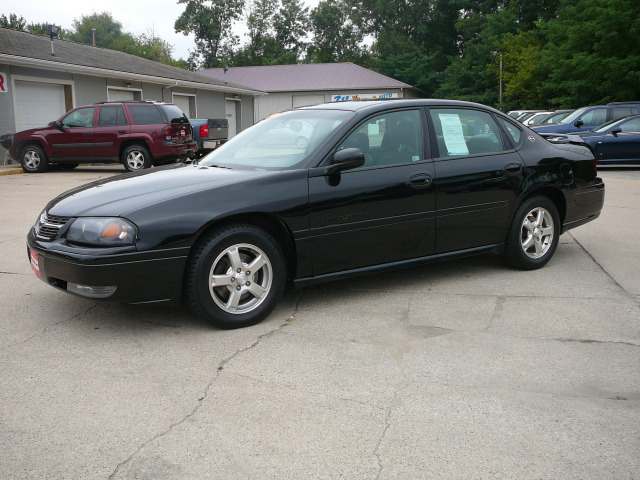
<point x="28" y="49"/>
<point x="306" y="77"/>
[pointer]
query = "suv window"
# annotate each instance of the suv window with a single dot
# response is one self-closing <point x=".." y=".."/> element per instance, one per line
<point x="80" y="118"/>
<point x="145" y="115"/>
<point x="111" y="116"/>
<point x="595" y="117"/>
<point x="465" y="132"/>
<point x="619" y="112"/>
<point x="389" y="139"/>
<point x="173" y="114"/>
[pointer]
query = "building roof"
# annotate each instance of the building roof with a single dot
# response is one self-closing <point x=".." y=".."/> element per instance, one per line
<point x="307" y="77"/>
<point x="28" y="49"/>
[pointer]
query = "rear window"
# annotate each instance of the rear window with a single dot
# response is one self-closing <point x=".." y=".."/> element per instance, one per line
<point x="619" y="112"/>
<point x="173" y="114"/>
<point x="146" y="115"/>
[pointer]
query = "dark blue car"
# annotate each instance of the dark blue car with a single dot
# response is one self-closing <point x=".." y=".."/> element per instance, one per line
<point x="617" y="141"/>
<point x="588" y="118"/>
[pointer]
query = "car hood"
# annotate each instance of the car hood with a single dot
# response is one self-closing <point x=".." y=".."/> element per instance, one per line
<point x="115" y="196"/>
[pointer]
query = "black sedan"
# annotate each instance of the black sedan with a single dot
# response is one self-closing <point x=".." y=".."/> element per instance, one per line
<point x="617" y="141"/>
<point x="379" y="185"/>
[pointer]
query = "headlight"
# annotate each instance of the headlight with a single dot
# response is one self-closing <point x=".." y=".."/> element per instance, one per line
<point x="102" y="232"/>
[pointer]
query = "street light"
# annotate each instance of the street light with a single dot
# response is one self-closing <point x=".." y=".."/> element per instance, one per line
<point x="499" y="54"/>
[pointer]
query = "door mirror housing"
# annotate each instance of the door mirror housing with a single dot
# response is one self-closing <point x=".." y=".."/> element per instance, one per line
<point x="346" y="159"/>
<point x="578" y="123"/>
<point x="616" y="131"/>
<point x="58" y="125"/>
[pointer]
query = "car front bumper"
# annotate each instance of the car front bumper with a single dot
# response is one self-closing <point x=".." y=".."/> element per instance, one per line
<point x="138" y="277"/>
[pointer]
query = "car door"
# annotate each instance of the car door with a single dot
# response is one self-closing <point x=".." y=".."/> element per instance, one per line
<point x="75" y="137"/>
<point x="379" y="213"/>
<point x="109" y="131"/>
<point x="624" y="145"/>
<point x="478" y="178"/>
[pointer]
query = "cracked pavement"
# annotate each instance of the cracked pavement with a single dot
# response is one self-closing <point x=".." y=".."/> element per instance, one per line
<point x="462" y="369"/>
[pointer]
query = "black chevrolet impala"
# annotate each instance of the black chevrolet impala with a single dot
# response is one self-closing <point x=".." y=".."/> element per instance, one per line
<point x="378" y="185"/>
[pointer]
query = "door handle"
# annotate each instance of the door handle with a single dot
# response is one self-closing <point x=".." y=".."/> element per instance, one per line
<point x="122" y="131"/>
<point x="86" y="134"/>
<point x="421" y="180"/>
<point x="513" y="168"/>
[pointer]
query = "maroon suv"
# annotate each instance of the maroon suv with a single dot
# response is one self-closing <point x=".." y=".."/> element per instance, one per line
<point x="138" y="134"/>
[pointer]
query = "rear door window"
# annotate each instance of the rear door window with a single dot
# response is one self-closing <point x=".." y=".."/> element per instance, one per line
<point x="619" y="112"/>
<point x="462" y="132"/>
<point x="111" y="116"/>
<point x="145" y="115"/>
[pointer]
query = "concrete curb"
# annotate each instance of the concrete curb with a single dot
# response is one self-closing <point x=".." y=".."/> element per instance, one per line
<point x="10" y="171"/>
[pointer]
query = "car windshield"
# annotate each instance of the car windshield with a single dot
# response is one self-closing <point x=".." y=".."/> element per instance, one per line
<point x="281" y="142"/>
<point x="572" y="118"/>
<point x="605" y="126"/>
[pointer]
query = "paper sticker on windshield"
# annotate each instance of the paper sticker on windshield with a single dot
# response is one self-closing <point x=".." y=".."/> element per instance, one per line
<point x="453" y="134"/>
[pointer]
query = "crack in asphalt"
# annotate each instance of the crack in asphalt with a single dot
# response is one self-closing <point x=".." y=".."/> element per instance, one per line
<point x="602" y="267"/>
<point x="387" y="425"/>
<point x="47" y="328"/>
<point x="203" y="397"/>
<point x="15" y="273"/>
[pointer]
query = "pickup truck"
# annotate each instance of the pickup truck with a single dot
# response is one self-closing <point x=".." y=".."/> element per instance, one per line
<point x="209" y="133"/>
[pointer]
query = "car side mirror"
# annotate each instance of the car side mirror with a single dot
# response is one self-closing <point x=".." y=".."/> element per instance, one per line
<point x="346" y="159"/>
<point x="578" y="123"/>
<point x="58" y="125"/>
<point x="616" y="131"/>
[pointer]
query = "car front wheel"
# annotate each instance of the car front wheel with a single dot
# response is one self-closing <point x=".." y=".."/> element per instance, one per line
<point x="533" y="235"/>
<point x="33" y="159"/>
<point x="136" y="157"/>
<point x="235" y="276"/>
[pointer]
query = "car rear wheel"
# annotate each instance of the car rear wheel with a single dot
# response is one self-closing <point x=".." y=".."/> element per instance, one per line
<point x="136" y="157"/>
<point x="235" y="276"/>
<point x="533" y="235"/>
<point x="33" y="159"/>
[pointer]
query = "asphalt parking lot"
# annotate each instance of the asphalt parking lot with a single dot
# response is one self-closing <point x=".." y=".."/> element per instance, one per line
<point x="464" y="369"/>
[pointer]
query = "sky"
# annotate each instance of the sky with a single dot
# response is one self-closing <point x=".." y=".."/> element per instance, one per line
<point x="136" y="16"/>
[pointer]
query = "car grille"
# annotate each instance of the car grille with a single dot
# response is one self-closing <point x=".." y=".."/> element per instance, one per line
<point x="48" y="226"/>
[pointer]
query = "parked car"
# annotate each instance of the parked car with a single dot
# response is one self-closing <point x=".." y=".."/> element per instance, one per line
<point x="554" y="117"/>
<point x="517" y="113"/>
<point x="588" y="118"/>
<point x="380" y="185"/>
<point x="526" y="115"/>
<point x="536" y="118"/>
<point x="209" y="133"/>
<point x="137" y="134"/>
<point x="617" y="141"/>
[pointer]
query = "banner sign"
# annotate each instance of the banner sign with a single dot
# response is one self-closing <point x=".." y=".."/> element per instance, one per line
<point x="4" y="83"/>
<point x="364" y="96"/>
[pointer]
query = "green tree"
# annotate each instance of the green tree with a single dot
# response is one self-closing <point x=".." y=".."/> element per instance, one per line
<point x="291" y="24"/>
<point x="336" y="37"/>
<point x="13" y="21"/>
<point x="210" y="21"/>
<point x="108" y="30"/>
<point x="592" y="52"/>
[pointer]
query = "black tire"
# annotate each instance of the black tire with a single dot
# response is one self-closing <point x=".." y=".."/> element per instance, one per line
<point x="136" y="157"/>
<point x="531" y="245"/>
<point x="215" y="255"/>
<point x="67" y="166"/>
<point x="33" y="159"/>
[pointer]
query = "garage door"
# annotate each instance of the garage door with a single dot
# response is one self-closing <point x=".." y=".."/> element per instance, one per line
<point x="183" y="102"/>
<point x="306" y="100"/>
<point x="38" y="104"/>
<point x="121" y="95"/>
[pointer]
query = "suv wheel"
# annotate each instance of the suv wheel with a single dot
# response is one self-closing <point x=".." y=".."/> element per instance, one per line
<point x="136" y="157"/>
<point x="33" y="159"/>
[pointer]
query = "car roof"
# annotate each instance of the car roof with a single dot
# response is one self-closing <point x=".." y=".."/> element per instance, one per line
<point x="376" y="105"/>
